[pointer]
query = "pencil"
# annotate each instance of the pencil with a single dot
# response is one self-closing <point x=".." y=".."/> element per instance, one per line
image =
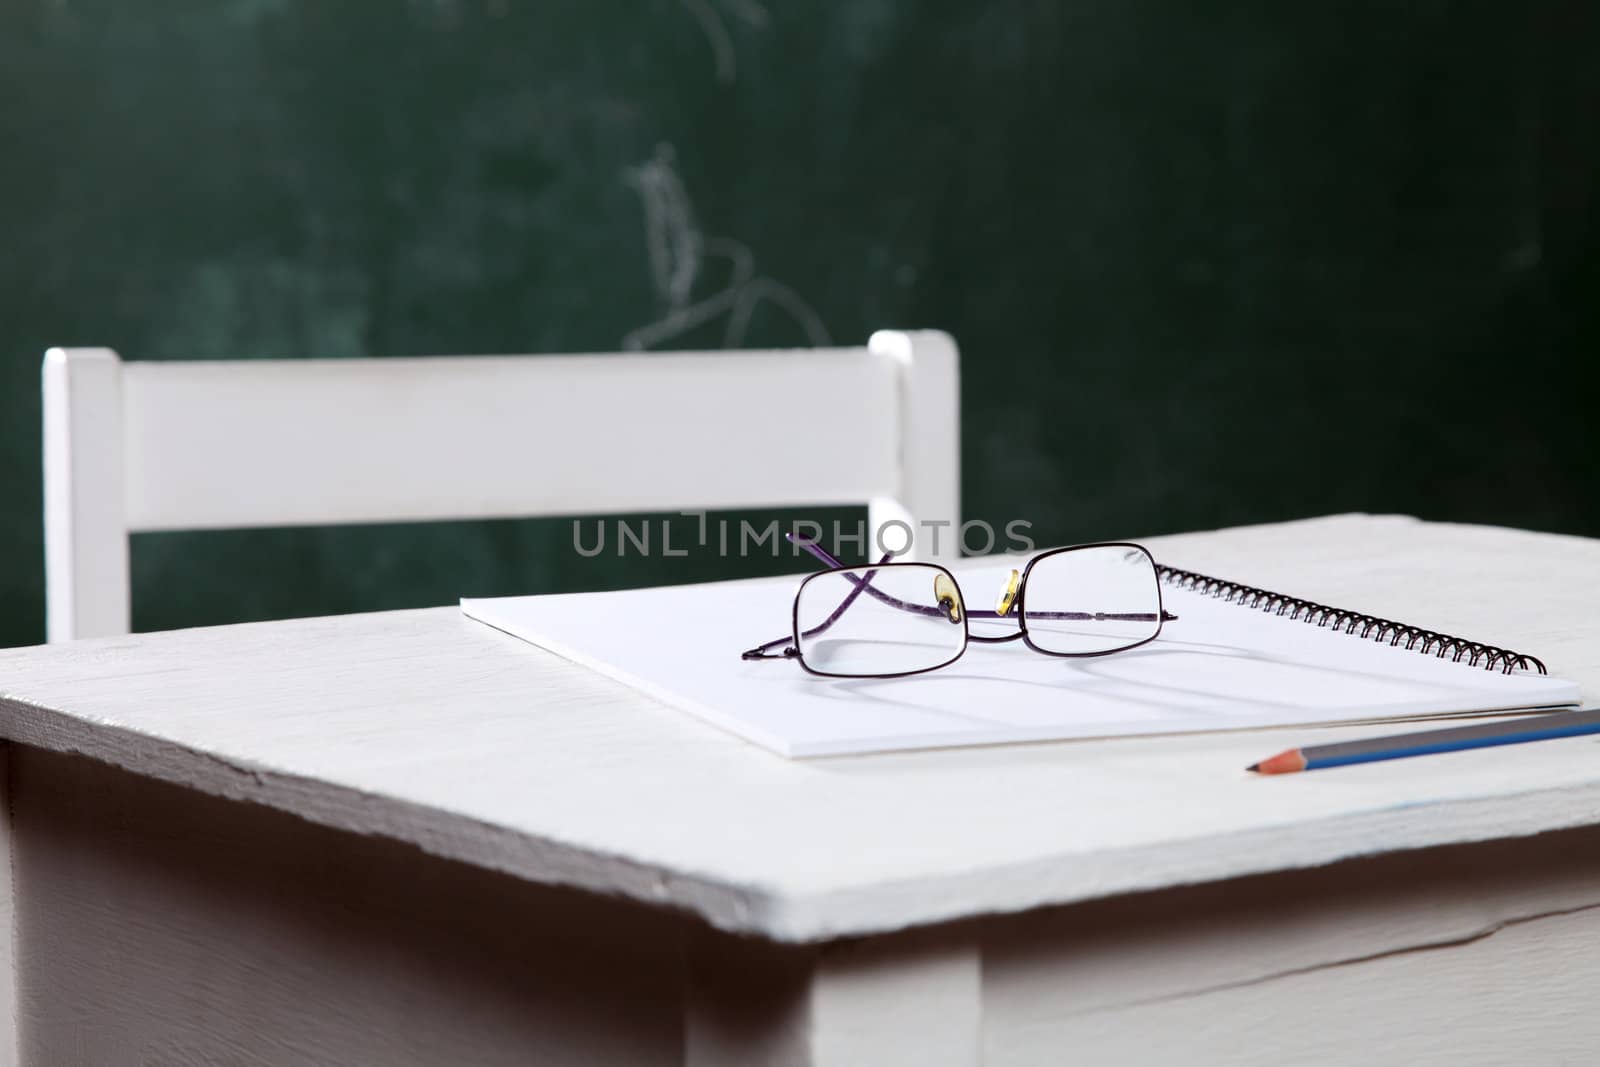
<point x="1427" y="742"/>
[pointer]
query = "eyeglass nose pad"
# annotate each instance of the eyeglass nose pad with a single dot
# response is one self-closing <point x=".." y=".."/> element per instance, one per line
<point x="947" y="596"/>
<point x="1008" y="596"/>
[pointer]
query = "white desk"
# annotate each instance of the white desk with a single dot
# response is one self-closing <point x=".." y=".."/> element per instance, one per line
<point x="456" y="848"/>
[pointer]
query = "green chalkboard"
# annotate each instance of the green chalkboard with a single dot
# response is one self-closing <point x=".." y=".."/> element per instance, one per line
<point x="1208" y="263"/>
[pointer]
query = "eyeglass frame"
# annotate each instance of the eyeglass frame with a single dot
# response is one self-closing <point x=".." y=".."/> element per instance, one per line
<point x="1016" y="609"/>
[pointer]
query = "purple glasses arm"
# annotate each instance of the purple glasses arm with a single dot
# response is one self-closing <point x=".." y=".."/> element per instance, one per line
<point x="862" y="584"/>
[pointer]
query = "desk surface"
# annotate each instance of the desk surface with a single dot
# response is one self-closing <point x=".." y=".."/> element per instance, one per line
<point x="430" y="728"/>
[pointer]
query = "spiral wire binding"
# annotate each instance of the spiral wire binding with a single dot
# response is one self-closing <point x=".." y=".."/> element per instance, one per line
<point x="1424" y="641"/>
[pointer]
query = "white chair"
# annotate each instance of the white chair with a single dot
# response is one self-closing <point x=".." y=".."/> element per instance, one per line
<point x="140" y="446"/>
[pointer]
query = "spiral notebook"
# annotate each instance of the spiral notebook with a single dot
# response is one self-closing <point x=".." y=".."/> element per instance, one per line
<point x="1241" y="658"/>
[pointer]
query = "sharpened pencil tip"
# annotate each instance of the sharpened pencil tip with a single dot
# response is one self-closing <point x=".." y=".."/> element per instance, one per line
<point x="1254" y="767"/>
<point x="1289" y="762"/>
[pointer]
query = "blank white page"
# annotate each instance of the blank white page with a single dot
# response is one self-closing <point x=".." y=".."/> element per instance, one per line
<point x="1218" y="667"/>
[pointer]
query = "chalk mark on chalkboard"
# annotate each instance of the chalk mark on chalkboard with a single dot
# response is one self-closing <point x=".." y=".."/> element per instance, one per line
<point x="716" y="31"/>
<point x="678" y="252"/>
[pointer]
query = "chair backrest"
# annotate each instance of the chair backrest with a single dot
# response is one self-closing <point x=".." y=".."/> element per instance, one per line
<point x="139" y="446"/>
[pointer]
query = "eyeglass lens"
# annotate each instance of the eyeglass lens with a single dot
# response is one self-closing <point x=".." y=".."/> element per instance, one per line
<point x="1091" y="600"/>
<point x="870" y="621"/>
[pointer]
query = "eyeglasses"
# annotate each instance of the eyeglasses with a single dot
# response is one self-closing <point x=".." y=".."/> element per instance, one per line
<point x="887" y="620"/>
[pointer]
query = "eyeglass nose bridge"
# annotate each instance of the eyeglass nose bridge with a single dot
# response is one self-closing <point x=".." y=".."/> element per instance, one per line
<point x="1008" y="595"/>
<point x="948" y="596"/>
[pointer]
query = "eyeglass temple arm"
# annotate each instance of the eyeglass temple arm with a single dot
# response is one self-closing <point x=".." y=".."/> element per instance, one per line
<point x="861" y="584"/>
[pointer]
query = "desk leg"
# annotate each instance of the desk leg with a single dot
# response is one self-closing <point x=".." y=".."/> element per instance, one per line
<point x="909" y="999"/>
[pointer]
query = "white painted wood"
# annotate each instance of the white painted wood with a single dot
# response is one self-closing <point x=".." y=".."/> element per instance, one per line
<point x="426" y="727"/>
<point x="1112" y="978"/>
<point x="913" y="1000"/>
<point x="164" y="928"/>
<point x="1517" y="994"/>
<point x="928" y="496"/>
<point x="85" y="528"/>
<point x="203" y="445"/>
<point x="292" y="442"/>
<point x="899" y="1002"/>
<point x="184" y="929"/>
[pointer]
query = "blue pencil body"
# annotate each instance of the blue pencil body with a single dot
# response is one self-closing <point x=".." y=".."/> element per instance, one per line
<point x="1549" y="734"/>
